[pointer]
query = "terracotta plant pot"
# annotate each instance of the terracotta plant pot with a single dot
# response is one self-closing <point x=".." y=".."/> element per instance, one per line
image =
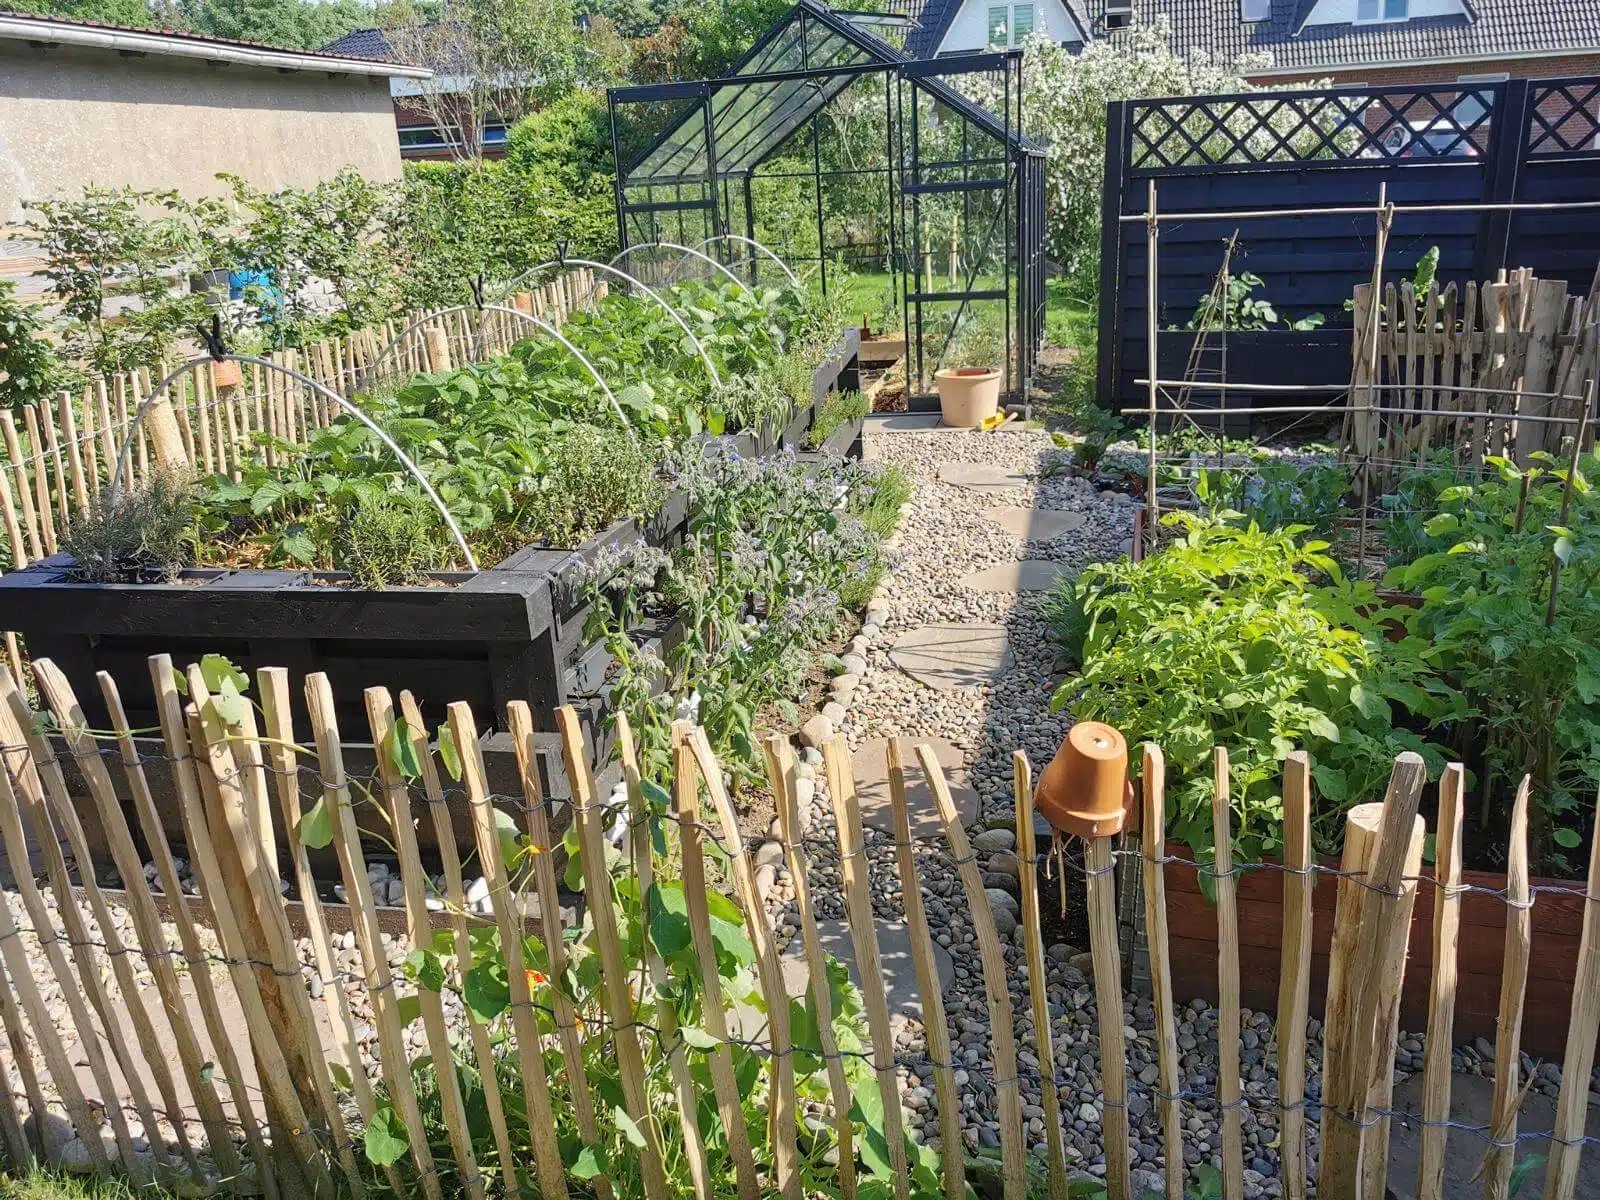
<point x="968" y="396"/>
<point x="1085" y="790"/>
<point x="226" y="374"/>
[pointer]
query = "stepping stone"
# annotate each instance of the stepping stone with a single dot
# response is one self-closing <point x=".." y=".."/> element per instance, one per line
<point x="1472" y="1103"/>
<point x="902" y="422"/>
<point x="1035" y="524"/>
<point x="870" y="764"/>
<point x="982" y="478"/>
<point x="952" y="656"/>
<point x="899" y="969"/>
<point x="1029" y="575"/>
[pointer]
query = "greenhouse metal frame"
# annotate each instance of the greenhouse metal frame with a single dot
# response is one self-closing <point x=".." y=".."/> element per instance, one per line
<point x="688" y="153"/>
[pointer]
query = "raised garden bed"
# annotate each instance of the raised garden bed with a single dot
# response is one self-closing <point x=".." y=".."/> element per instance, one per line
<point x="514" y="631"/>
<point x="1557" y="925"/>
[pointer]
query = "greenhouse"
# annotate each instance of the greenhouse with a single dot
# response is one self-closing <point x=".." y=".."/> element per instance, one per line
<point x="906" y="186"/>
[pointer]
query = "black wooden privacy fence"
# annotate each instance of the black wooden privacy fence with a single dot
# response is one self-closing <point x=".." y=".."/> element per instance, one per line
<point x="1514" y="142"/>
<point x="604" y="1055"/>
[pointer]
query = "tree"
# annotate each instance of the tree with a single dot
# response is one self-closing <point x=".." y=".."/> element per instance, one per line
<point x="492" y="59"/>
<point x="111" y="12"/>
<point x="293" y="23"/>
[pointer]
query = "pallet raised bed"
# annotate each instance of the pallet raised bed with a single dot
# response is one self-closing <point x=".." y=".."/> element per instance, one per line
<point x="514" y="631"/>
<point x="1557" y="924"/>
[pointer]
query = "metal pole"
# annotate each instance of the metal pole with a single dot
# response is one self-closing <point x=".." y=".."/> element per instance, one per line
<point x="616" y="180"/>
<point x="889" y="193"/>
<point x="1152" y="237"/>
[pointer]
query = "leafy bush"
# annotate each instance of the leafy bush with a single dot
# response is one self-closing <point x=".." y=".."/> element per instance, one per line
<point x="1511" y="617"/>
<point x="143" y="532"/>
<point x="840" y="408"/>
<point x="1274" y="493"/>
<point x="1224" y="639"/>
<point x="30" y="373"/>
<point x="389" y="541"/>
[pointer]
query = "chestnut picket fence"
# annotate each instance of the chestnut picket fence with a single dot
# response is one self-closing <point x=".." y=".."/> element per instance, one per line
<point x="182" y="1034"/>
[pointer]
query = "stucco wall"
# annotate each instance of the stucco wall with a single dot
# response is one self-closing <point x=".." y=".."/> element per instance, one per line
<point x="71" y="117"/>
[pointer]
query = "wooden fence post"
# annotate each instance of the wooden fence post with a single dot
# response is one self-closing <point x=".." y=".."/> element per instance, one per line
<point x="1513" y="990"/>
<point x="1153" y="785"/>
<point x="1442" y="986"/>
<point x="1229" y="1096"/>
<point x="1294" y="984"/>
<point x="1383" y="841"/>
<point x="1561" y="1173"/>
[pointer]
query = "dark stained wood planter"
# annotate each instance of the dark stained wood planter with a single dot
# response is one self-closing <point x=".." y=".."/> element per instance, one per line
<point x="514" y="631"/>
<point x="1557" y="924"/>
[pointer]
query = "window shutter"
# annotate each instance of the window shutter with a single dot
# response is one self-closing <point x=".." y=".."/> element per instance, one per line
<point x="1021" y="23"/>
<point x="997" y="25"/>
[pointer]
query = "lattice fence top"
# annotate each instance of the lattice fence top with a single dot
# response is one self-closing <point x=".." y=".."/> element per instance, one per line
<point x="1564" y="117"/>
<point x="1322" y="128"/>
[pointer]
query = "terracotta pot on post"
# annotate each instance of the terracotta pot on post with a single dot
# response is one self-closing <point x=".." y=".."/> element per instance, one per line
<point x="226" y="374"/>
<point x="1085" y="789"/>
<point x="968" y="396"/>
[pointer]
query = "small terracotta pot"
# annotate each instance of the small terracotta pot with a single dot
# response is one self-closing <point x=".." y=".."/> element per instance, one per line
<point x="1085" y="789"/>
<point x="968" y="396"/>
<point x="227" y="374"/>
<point x="523" y="302"/>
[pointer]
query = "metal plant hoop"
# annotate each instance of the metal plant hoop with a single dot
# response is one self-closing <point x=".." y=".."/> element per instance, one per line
<point x="767" y="250"/>
<point x="124" y="452"/>
<point x="686" y="250"/>
<point x="711" y="367"/>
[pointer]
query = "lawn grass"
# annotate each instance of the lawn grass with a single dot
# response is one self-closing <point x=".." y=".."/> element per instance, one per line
<point x="42" y="1184"/>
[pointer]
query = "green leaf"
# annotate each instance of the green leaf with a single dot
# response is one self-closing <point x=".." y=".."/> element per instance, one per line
<point x="505" y="825"/>
<point x="628" y="1129"/>
<point x="316" y="826"/>
<point x="448" y="754"/>
<point x="1567" y="839"/>
<point x="669" y="918"/>
<point x="386" y="1139"/>
<point x="207" y="1071"/>
<point x="408" y="1008"/>
<point x="486" y="992"/>
<point x="216" y="669"/>
<point x="694" y="1036"/>
<point x="1208" y="1180"/>
<point x="402" y="752"/>
<point x="230" y="705"/>
<point x="340" y="1075"/>
<point x="1563" y="549"/>
<point x="592" y="1162"/>
<point x="425" y="969"/>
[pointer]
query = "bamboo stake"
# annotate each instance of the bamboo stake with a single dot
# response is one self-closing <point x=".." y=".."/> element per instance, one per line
<point x="683" y="1087"/>
<point x="1101" y="890"/>
<point x="864" y="939"/>
<point x="951" y="1151"/>
<point x="1229" y="1097"/>
<point x="41" y="480"/>
<point x="19" y="549"/>
<point x="520" y="723"/>
<point x="91" y="456"/>
<point x="1513" y="989"/>
<point x="21" y="764"/>
<point x="1033" y="948"/>
<point x="455" y="903"/>
<point x="508" y="918"/>
<point x="1154" y="833"/>
<point x="188" y="940"/>
<point x="686" y="810"/>
<point x="785" y="1103"/>
<point x="1013" y="1153"/>
<point x="17" y="1144"/>
<point x="19" y="474"/>
<point x="42" y="1021"/>
<point x="1442" y="987"/>
<point x="1370" y="914"/>
<point x="1561" y="1172"/>
<point x="197" y="840"/>
<point x="108" y="445"/>
<point x="386" y="735"/>
<point x="1294" y="985"/>
<point x="63" y="703"/>
<point x="38" y="416"/>
<point x="288" y="1048"/>
<point x="69" y="431"/>
<point x="273" y="686"/>
<point x="375" y="961"/>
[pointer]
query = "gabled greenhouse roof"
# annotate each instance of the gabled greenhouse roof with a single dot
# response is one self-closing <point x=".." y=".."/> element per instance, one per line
<point x="795" y="69"/>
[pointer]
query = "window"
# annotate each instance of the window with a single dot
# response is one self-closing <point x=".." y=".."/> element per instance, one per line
<point x="1010" y="25"/>
<point x="1382" y="10"/>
